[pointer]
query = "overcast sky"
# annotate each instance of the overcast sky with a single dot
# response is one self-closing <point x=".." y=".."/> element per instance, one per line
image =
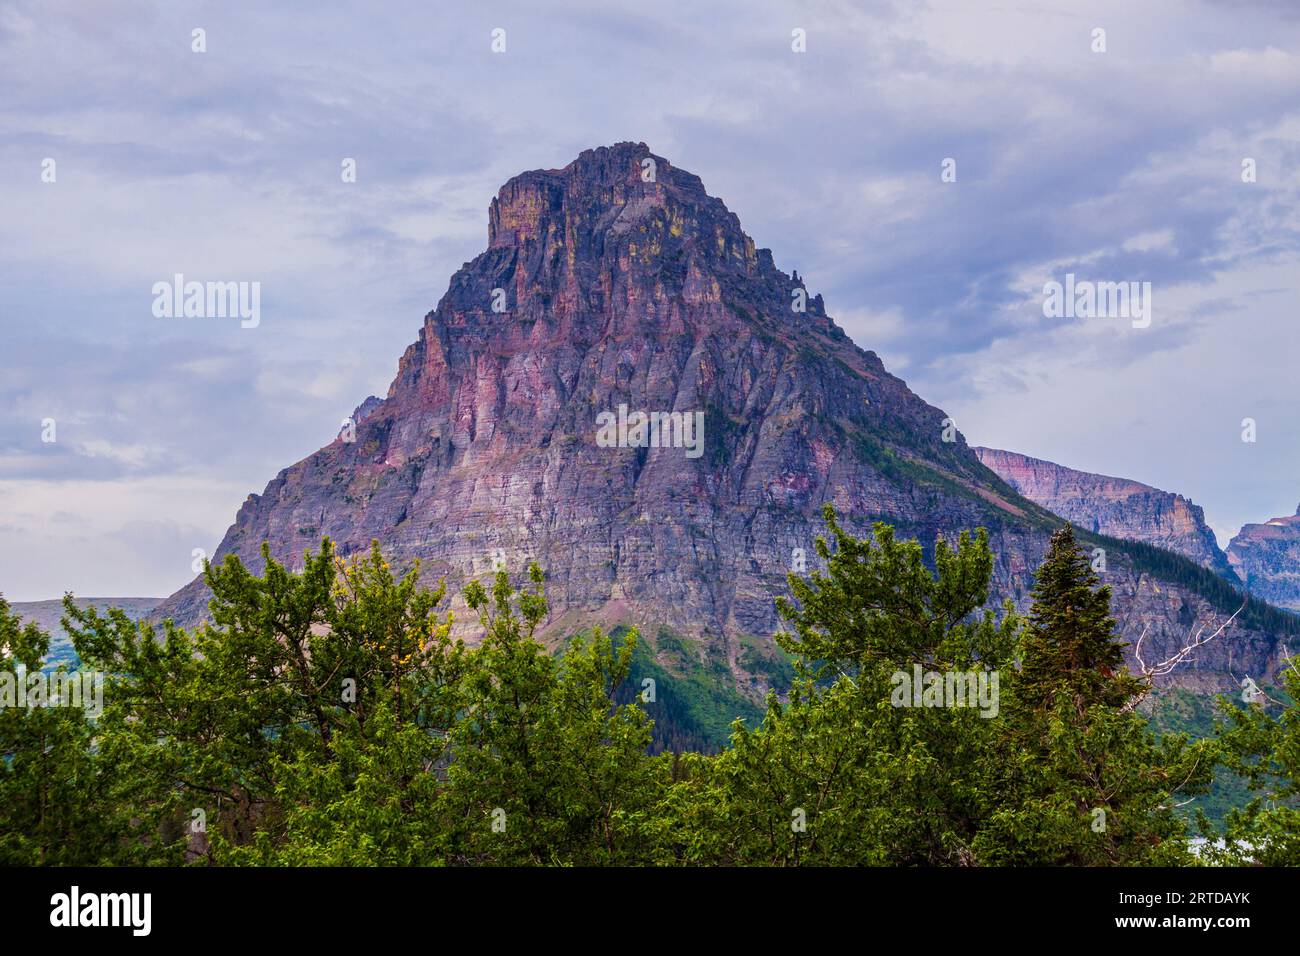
<point x="1123" y="165"/>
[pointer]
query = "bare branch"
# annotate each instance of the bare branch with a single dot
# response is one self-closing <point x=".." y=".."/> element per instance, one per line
<point x="1160" y="669"/>
<point x="1200" y="639"/>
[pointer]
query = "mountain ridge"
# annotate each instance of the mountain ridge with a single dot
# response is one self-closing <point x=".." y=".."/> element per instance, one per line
<point x="1114" y="506"/>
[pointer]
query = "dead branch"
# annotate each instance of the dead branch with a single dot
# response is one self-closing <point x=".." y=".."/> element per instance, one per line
<point x="1200" y="639"/>
<point x="1161" y="668"/>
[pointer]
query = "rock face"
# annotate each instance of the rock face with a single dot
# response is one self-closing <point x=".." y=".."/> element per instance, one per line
<point x="1267" y="559"/>
<point x="598" y="290"/>
<point x="1112" y="506"/>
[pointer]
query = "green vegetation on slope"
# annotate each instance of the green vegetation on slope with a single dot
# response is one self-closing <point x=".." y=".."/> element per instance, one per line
<point x="1178" y="711"/>
<point x="695" y="704"/>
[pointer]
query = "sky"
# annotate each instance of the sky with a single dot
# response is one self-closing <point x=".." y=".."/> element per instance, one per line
<point x="1122" y="164"/>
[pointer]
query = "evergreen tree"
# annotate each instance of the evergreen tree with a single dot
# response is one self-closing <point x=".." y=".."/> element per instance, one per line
<point x="1070" y="652"/>
<point x="1085" y="781"/>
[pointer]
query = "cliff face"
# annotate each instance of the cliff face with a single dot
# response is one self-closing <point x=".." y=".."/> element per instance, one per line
<point x="1267" y="559"/>
<point x="600" y="289"/>
<point x="1116" y="507"/>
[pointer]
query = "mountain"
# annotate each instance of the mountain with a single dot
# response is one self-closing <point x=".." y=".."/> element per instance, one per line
<point x="617" y="285"/>
<point x="1117" y="507"/>
<point x="1267" y="559"/>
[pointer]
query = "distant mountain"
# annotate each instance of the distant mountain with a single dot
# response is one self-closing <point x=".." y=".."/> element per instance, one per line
<point x="46" y="615"/>
<point x="1117" y="507"/>
<point x="616" y="286"/>
<point x="1267" y="559"/>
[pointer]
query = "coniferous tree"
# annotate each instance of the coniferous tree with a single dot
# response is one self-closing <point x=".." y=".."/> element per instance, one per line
<point x="1084" y="779"/>
<point x="1070" y="652"/>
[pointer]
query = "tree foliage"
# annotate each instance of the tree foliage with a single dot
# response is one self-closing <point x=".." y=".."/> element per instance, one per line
<point x="329" y="717"/>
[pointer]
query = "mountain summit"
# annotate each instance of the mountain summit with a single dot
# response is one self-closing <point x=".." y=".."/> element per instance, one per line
<point x="540" y="415"/>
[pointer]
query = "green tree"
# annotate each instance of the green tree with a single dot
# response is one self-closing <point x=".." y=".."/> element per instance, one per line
<point x="839" y="773"/>
<point x="1261" y="744"/>
<point x="328" y="717"/>
<point x="1085" y="781"/>
<point x="220" y="732"/>
<point x="1070" y="654"/>
<point x="371" y="679"/>
<point x="546" y="768"/>
<point x="57" y="803"/>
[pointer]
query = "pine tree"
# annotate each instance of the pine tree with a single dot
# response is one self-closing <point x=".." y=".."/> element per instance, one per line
<point x="1083" y="779"/>
<point x="1070" y="650"/>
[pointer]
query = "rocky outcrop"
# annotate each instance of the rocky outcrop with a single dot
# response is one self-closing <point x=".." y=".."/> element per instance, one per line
<point x="603" y="293"/>
<point x="1267" y="559"/>
<point x="1117" y="507"/>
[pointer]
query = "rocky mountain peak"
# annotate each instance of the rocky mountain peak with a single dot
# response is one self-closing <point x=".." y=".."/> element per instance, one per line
<point x="619" y="244"/>
<point x="605" y="190"/>
<point x="606" y="291"/>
